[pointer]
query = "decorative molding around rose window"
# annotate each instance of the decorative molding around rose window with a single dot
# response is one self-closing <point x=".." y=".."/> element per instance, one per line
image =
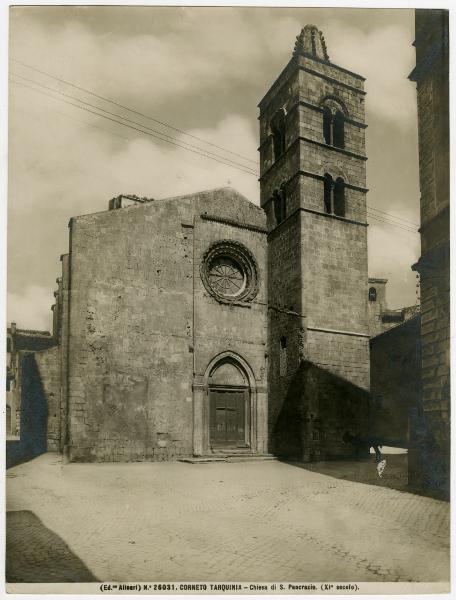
<point x="229" y="272"/>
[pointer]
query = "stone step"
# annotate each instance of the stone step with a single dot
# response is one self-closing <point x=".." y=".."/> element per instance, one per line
<point x="214" y="458"/>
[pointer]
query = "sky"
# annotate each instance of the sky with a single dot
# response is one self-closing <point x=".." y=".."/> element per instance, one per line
<point x="202" y="71"/>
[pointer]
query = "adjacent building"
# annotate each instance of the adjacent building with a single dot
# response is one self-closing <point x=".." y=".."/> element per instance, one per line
<point x="20" y="342"/>
<point x="430" y="456"/>
<point x="382" y="318"/>
<point x="396" y="383"/>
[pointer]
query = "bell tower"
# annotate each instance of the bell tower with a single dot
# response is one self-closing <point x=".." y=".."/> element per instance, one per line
<point x="313" y="190"/>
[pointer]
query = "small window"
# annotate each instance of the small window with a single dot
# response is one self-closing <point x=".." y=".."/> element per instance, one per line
<point x="328" y="193"/>
<point x="372" y="294"/>
<point x="338" y="130"/>
<point x="278" y="131"/>
<point x="280" y="204"/>
<point x="327" y="125"/>
<point x="339" y="197"/>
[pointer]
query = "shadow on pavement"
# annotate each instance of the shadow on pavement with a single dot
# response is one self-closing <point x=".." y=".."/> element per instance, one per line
<point x="35" y="554"/>
<point x="364" y="471"/>
<point x="395" y="475"/>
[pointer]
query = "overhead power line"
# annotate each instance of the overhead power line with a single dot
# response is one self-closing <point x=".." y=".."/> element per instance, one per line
<point x="129" y="139"/>
<point x="154" y="131"/>
<point x="119" y="105"/>
<point x="371" y="216"/>
<point x="402" y="219"/>
<point x="382" y="217"/>
<point x="158" y="137"/>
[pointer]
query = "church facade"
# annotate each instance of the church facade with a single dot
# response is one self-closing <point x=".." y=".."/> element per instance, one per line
<point x="166" y="329"/>
<point x="205" y="324"/>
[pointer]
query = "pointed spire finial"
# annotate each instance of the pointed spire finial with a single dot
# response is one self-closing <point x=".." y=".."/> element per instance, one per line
<point x="311" y="42"/>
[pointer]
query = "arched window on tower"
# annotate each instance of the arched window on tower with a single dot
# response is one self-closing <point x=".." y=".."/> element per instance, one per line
<point x="333" y="123"/>
<point x="328" y="183"/>
<point x="327" y="125"/>
<point x="339" y="197"/>
<point x="280" y="204"/>
<point x="334" y="196"/>
<point x="278" y="130"/>
<point x="338" y="130"/>
<point x="372" y="294"/>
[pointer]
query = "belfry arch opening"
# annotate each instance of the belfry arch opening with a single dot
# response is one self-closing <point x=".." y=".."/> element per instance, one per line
<point x="278" y="131"/>
<point x="334" y="195"/>
<point x="229" y="406"/>
<point x="334" y="117"/>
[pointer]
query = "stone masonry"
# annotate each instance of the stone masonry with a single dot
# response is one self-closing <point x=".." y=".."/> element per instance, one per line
<point x="204" y="324"/>
<point x="317" y="259"/>
<point x="430" y="457"/>
<point x="143" y="329"/>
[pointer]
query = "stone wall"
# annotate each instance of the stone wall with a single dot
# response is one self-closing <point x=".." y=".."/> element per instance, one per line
<point x="430" y="457"/>
<point x="48" y="364"/>
<point x="318" y="331"/>
<point x="240" y="328"/>
<point x="376" y="307"/>
<point x="142" y="328"/>
<point x="395" y="358"/>
<point x="64" y="341"/>
<point x="33" y="413"/>
<point x="285" y="317"/>
<point x="334" y="268"/>
<point x="130" y="334"/>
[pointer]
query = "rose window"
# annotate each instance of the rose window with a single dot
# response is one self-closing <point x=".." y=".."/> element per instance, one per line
<point x="226" y="277"/>
<point x="229" y="272"/>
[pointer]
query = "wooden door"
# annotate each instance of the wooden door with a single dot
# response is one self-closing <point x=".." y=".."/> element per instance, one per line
<point x="228" y="418"/>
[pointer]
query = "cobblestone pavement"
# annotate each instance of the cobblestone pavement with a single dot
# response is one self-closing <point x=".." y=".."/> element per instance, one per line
<point x="35" y="553"/>
<point x="265" y="521"/>
<point x="395" y="475"/>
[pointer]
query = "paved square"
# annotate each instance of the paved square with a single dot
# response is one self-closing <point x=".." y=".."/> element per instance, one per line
<point x="252" y="521"/>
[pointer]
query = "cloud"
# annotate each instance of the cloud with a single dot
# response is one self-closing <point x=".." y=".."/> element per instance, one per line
<point x="31" y="309"/>
<point x="168" y="171"/>
<point x="191" y="59"/>
<point x="209" y="53"/>
<point x="201" y="70"/>
<point x="73" y="164"/>
<point x="385" y="56"/>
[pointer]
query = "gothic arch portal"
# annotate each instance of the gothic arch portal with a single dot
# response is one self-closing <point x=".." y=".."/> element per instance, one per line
<point x="229" y="357"/>
<point x="225" y="406"/>
<point x="229" y="405"/>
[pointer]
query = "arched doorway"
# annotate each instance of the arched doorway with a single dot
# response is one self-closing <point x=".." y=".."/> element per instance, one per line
<point x="229" y="406"/>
